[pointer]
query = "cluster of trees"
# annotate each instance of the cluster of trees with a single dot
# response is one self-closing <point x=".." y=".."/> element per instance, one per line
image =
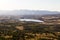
<point x="28" y="28"/>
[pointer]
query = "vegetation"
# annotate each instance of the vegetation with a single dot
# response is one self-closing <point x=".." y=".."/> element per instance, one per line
<point x="31" y="31"/>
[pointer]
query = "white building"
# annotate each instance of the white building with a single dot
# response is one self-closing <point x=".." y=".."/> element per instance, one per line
<point x="30" y="20"/>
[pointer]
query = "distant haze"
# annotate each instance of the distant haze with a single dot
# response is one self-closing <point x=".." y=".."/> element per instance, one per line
<point x="28" y="12"/>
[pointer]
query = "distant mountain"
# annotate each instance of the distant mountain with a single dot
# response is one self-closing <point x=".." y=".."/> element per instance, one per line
<point x="28" y="12"/>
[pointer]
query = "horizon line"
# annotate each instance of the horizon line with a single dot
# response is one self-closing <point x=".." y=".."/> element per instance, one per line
<point x="31" y="10"/>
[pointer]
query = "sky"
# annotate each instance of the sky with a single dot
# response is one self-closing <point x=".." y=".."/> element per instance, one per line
<point x="52" y="5"/>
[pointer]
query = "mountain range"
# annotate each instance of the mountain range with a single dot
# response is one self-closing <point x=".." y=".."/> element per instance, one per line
<point x="28" y="12"/>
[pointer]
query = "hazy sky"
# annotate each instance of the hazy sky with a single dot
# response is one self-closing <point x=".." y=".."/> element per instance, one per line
<point x="30" y="4"/>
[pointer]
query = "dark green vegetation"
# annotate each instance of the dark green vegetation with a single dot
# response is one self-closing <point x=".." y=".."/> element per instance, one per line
<point x="31" y="31"/>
